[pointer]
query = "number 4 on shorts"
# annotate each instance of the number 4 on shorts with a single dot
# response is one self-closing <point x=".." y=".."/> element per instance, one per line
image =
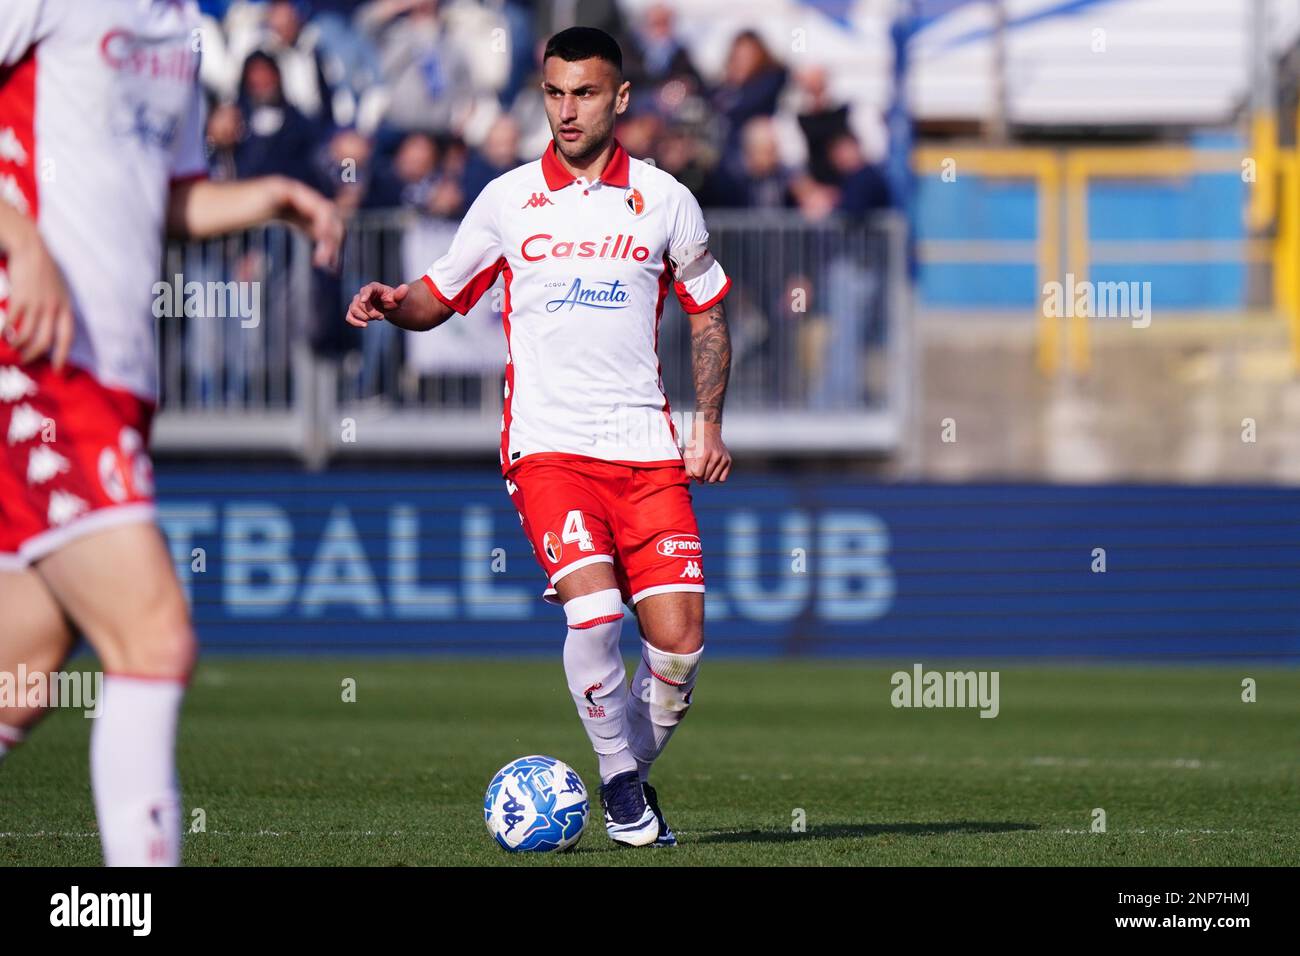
<point x="575" y="530"/>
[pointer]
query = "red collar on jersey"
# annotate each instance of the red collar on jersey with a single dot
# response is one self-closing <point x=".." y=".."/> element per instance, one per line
<point x="614" y="173"/>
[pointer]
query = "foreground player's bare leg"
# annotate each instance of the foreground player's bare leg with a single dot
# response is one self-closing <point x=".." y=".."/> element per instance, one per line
<point x="35" y="634"/>
<point x="593" y="667"/>
<point x="119" y="588"/>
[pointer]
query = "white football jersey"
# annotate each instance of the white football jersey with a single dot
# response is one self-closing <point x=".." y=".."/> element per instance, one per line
<point x="586" y="266"/>
<point x="99" y="111"/>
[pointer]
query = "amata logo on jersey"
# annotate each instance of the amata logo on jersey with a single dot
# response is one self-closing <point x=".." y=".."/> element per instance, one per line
<point x="597" y="295"/>
<point x="543" y="245"/>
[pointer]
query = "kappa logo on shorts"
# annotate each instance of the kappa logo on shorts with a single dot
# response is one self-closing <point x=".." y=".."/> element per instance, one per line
<point x="692" y="570"/>
<point x="25" y="424"/>
<point x="680" y="546"/>
<point x="551" y="545"/>
<point x="45" y="463"/>
<point x="64" y="506"/>
<point x="14" y="384"/>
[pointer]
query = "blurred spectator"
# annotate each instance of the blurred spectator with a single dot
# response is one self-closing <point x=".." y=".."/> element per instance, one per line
<point x="224" y="133"/>
<point x="428" y="84"/>
<point x="276" y="137"/>
<point x="863" y="188"/>
<point x="656" y="56"/>
<point x="350" y="170"/>
<point x="761" y="182"/>
<point x="552" y="16"/>
<point x="529" y="111"/>
<point x="751" y="87"/>
<point x="680" y="153"/>
<point x="498" y="153"/>
<point x="810" y="118"/>
<point x="639" y="129"/>
<point x="315" y="83"/>
<point x="852" y="291"/>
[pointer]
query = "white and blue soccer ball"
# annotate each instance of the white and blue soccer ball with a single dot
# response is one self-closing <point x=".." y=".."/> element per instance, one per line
<point x="536" y="805"/>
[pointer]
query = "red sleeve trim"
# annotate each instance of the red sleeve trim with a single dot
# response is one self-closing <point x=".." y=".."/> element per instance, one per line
<point x="437" y="294"/>
<point x="691" y="307"/>
<point x="188" y="178"/>
<point x="473" y="289"/>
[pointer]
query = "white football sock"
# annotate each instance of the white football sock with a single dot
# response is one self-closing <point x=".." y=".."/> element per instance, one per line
<point x="658" y="699"/>
<point x="133" y="771"/>
<point x="10" y="737"/>
<point x="595" y="673"/>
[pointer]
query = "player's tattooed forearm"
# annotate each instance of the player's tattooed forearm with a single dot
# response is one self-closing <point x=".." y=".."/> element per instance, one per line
<point x="711" y="360"/>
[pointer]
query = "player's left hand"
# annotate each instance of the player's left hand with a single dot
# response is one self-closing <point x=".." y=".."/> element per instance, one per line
<point x="706" y="456"/>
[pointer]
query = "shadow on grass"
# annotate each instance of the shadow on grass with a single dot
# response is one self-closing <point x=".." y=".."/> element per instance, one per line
<point x="850" y="831"/>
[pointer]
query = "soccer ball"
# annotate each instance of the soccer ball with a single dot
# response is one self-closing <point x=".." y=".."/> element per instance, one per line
<point x="535" y="805"/>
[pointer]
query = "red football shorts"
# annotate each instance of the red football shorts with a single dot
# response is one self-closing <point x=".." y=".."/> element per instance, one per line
<point x="577" y="512"/>
<point x="73" y="458"/>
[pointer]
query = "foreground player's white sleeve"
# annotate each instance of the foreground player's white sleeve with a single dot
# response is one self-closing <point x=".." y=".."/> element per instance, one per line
<point x="476" y="257"/>
<point x="698" y="279"/>
<point x="23" y="24"/>
<point x="188" y="158"/>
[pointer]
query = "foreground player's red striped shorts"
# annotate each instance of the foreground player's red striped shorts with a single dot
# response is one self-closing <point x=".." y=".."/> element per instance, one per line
<point x="73" y="458"/>
<point x="577" y="512"/>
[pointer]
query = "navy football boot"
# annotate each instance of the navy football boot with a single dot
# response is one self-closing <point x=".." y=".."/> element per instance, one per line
<point x="666" y="836"/>
<point x="628" y="819"/>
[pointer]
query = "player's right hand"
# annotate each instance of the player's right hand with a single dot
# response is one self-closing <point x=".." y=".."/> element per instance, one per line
<point x="375" y="302"/>
<point x="39" y="314"/>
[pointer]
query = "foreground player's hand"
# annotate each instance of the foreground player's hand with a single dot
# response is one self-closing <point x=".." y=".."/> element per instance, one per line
<point x="40" y="320"/>
<point x="707" y="459"/>
<point x="375" y="302"/>
<point x="319" y="218"/>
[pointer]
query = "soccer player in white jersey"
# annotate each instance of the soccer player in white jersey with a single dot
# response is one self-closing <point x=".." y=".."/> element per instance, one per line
<point x="101" y="153"/>
<point x="588" y="242"/>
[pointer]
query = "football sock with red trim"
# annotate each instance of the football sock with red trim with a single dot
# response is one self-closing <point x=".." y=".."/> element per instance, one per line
<point x="594" y="669"/>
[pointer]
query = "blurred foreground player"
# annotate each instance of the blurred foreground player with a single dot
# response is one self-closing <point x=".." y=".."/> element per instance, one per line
<point x="101" y="152"/>
<point x="589" y="242"/>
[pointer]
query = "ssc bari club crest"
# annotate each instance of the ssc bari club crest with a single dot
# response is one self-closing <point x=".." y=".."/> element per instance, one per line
<point x="551" y="545"/>
<point x="634" y="201"/>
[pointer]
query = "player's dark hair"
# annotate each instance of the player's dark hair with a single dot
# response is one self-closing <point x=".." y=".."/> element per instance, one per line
<point x="583" y="43"/>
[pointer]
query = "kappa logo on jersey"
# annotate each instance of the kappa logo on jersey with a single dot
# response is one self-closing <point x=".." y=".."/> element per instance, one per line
<point x="551" y="545"/>
<point x="680" y="546"/>
<point x="634" y="201"/>
<point x="537" y="200"/>
<point x="692" y="570"/>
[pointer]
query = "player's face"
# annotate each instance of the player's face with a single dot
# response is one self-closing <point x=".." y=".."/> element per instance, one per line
<point x="582" y="99"/>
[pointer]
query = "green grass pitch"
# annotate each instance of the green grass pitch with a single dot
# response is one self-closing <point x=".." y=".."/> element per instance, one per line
<point x="287" y="773"/>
